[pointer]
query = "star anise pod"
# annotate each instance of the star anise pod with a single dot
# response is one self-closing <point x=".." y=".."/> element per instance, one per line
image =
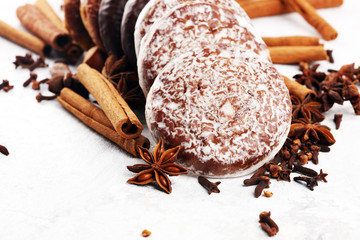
<point x="310" y="77"/>
<point x="125" y="79"/>
<point x="337" y="88"/>
<point x="129" y="91"/>
<point x="158" y="165"/>
<point x="113" y="67"/>
<point x="304" y="129"/>
<point x="306" y="109"/>
<point x="350" y="73"/>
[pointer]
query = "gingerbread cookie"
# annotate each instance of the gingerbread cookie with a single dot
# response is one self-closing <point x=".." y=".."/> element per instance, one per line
<point x="229" y="115"/>
<point x="187" y="26"/>
<point x="156" y="9"/>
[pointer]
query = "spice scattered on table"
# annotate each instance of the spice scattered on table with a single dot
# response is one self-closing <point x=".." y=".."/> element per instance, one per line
<point x="159" y="165"/>
<point x="268" y="224"/>
<point x="41" y="97"/>
<point x="24" y="61"/>
<point x="268" y="194"/>
<point x="337" y="120"/>
<point x="212" y="187"/>
<point x="4" y="150"/>
<point x="32" y="78"/>
<point x="5" y="85"/>
<point x="146" y="233"/>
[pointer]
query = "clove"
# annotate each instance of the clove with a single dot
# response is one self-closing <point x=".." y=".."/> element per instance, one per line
<point x="304" y="170"/>
<point x="311" y="182"/>
<point x="268" y="224"/>
<point x="40" y="97"/>
<point x="4" y="150"/>
<point x="210" y="186"/>
<point x="32" y="78"/>
<point x="5" y="85"/>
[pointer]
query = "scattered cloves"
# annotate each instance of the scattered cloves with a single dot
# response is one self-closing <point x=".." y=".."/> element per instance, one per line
<point x="260" y="172"/>
<point x="267" y="224"/>
<point x="4" y="150"/>
<point x="210" y="186"/>
<point x="311" y="182"/>
<point x="260" y="187"/>
<point x="321" y="176"/>
<point x="304" y="170"/>
<point x="32" y="78"/>
<point x="36" y="84"/>
<point x="39" y="63"/>
<point x="5" y="85"/>
<point x="284" y="175"/>
<point x="40" y="97"/>
<point x="255" y="180"/>
<point x="24" y="61"/>
<point x="337" y="120"/>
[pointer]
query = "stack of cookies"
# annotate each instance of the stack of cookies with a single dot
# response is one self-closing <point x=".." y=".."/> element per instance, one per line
<point x="210" y="85"/>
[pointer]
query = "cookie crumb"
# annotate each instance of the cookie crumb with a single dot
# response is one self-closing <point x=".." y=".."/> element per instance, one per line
<point x="146" y="233"/>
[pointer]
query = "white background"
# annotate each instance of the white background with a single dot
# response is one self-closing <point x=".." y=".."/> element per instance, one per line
<point x="64" y="181"/>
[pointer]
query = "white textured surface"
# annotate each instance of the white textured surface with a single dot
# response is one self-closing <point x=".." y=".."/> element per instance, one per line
<point x="155" y="9"/>
<point x="192" y="25"/>
<point x="231" y="111"/>
<point x="63" y="181"/>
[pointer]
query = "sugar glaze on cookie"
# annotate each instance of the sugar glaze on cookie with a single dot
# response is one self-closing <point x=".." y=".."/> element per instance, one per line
<point x="229" y="115"/>
<point x="187" y="26"/>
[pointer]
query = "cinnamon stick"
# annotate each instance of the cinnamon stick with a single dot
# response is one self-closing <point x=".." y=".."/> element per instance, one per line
<point x="297" y="89"/>
<point x="24" y="39"/>
<point x="95" y="58"/>
<point x="310" y="15"/>
<point x="75" y="25"/>
<point x="296" y="54"/>
<point x="116" y="109"/>
<point x="73" y="52"/>
<point x="96" y="119"/>
<point x="292" y="41"/>
<point x="263" y="8"/>
<point x="36" y="22"/>
<point x="49" y="12"/>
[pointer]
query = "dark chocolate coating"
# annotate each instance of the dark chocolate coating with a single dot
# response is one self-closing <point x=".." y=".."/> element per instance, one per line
<point x="131" y="13"/>
<point x="110" y="16"/>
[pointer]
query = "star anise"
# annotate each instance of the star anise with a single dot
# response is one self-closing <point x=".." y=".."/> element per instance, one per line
<point x="350" y="72"/>
<point x="158" y="165"/>
<point x="131" y="92"/>
<point x="310" y="77"/>
<point x="306" y="109"/>
<point x="304" y="129"/>
<point x="339" y="87"/>
<point x="125" y="79"/>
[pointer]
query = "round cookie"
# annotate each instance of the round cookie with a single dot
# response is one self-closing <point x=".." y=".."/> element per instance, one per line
<point x="187" y="26"/>
<point x="156" y="9"/>
<point x="230" y="116"/>
<point x="131" y="12"/>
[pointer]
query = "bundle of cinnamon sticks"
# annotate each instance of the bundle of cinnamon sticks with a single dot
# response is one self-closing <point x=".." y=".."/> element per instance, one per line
<point x="47" y="28"/>
<point x="115" y="120"/>
<point x="296" y="49"/>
